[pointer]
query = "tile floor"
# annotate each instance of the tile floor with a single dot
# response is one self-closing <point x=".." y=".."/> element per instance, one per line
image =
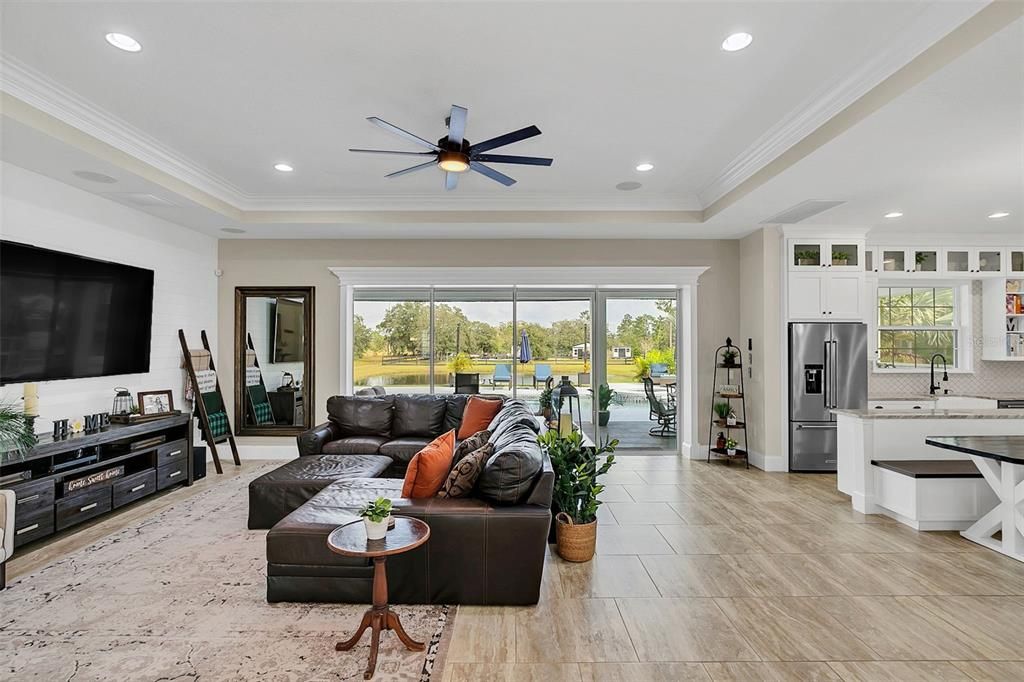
<point x="712" y="572"/>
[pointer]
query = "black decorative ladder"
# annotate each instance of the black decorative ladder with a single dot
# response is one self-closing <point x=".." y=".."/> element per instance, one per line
<point x="210" y="433"/>
<point x="740" y="427"/>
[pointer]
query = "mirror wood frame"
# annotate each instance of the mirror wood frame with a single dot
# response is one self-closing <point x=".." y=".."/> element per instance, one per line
<point x="308" y="295"/>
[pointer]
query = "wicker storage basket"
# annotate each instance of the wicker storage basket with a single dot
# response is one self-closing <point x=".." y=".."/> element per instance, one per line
<point x="575" y="541"/>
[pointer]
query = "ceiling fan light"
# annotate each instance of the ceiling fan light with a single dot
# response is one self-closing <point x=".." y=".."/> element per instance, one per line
<point x="453" y="162"/>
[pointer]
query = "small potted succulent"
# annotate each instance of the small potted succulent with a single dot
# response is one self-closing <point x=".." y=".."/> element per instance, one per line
<point x="806" y="258"/>
<point x="376" y="515"/>
<point x="840" y="258"/>
<point x="729" y="356"/>
<point x="723" y="410"/>
<point x="730" y="447"/>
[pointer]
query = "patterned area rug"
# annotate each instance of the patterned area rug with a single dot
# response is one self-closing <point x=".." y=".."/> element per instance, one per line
<point x="181" y="596"/>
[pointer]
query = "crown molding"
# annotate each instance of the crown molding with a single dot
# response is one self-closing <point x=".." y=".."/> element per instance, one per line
<point x="932" y="22"/>
<point x="46" y="95"/>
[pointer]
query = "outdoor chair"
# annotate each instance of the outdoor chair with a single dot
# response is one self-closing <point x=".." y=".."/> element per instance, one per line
<point x="541" y="373"/>
<point x="502" y="375"/>
<point x="659" y="369"/>
<point x="663" y="413"/>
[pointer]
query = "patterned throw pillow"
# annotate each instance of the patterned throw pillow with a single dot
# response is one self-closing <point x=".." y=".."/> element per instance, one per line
<point x="474" y="442"/>
<point x="464" y="474"/>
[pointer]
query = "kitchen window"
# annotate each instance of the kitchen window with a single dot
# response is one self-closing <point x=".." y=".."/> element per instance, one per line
<point x="915" y="323"/>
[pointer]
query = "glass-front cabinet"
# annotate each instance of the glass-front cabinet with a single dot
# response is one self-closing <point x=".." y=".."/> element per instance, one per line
<point x="893" y="260"/>
<point x="990" y="260"/>
<point x="1015" y="261"/>
<point x="958" y="260"/>
<point x="930" y="261"/>
<point x="926" y="260"/>
<point x="805" y="254"/>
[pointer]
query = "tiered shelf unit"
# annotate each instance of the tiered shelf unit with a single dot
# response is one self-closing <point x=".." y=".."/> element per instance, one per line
<point x="1003" y="323"/>
<point x="738" y="431"/>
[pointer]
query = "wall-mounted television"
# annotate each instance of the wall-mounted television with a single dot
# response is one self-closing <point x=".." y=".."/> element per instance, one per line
<point x="67" y="317"/>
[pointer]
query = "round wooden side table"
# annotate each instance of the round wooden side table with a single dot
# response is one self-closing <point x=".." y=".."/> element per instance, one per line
<point x="350" y="540"/>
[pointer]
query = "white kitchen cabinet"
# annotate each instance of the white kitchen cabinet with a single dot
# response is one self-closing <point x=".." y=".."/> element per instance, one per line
<point x="829" y="295"/>
<point x="817" y="254"/>
<point x="1015" y="261"/>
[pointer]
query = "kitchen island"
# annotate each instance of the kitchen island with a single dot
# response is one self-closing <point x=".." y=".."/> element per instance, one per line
<point x="866" y="436"/>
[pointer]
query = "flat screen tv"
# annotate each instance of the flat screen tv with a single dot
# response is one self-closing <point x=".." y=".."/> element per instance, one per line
<point x="67" y="317"/>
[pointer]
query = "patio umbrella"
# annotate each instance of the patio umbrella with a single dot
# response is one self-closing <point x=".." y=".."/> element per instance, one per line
<point x="524" y="348"/>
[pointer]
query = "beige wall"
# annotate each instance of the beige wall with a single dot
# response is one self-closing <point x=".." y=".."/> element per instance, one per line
<point x="760" y="318"/>
<point x="305" y="263"/>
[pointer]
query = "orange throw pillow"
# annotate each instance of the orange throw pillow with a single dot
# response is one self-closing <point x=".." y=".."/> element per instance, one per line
<point x="478" y="415"/>
<point x="428" y="469"/>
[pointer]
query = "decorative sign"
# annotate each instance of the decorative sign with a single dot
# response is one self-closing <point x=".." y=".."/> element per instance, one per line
<point x="93" y="479"/>
<point x="252" y="376"/>
<point x="207" y="380"/>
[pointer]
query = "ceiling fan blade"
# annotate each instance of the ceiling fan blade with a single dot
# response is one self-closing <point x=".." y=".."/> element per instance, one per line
<point x="388" y="151"/>
<point x="412" y="169"/>
<point x="403" y="133"/>
<point x="451" y="180"/>
<point x="507" y="138"/>
<point x="457" y="125"/>
<point x="492" y="174"/>
<point x="504" y="158"/>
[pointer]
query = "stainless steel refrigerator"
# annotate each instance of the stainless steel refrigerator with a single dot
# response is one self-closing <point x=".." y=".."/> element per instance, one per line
<point x="828" y="369"/>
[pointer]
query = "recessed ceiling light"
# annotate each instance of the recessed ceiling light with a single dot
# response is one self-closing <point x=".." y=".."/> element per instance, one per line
<point x="894" y="214"/>
<point x="999" y="214"/>
<point x="124" y="42"/>
<point x="93" y="176"/>
<point x="737" y="41"/>
<point x="628" y="186"/>
<point x="644" y="167"/>
<point x="283" y="167"/>
<point x="232" y="230"/>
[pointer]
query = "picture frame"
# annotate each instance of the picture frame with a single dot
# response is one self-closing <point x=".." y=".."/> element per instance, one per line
<point x="155" y="402"/>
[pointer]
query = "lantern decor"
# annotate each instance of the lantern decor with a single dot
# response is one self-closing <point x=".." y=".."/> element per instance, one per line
<point x="566" y="400"/>
<point x="122" y="402"/>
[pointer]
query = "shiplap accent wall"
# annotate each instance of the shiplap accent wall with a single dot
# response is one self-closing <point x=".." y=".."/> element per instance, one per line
<point x="43" y="212"/>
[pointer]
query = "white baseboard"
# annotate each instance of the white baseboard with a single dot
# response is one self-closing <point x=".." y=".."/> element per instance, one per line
<point x="276" y="448"/>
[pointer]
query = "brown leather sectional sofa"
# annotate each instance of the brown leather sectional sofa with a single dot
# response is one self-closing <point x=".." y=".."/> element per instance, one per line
<point x="484" y="549"/>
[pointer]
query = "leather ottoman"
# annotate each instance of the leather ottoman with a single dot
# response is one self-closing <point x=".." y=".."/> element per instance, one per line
<point x="278" y="493"/>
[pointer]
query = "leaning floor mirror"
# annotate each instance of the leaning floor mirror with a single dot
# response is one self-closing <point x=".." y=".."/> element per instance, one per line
<point x="273" y="360"/>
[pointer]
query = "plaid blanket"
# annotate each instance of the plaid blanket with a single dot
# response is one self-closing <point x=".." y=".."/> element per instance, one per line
<point x="263" y="413"/>
<point x="219" y="424"/>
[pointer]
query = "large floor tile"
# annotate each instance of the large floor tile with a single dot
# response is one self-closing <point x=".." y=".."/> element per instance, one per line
<point x="992" y="671"/>
<point x="697" y="575"/>
<point x="484" y="634"/>
<point x="995" y="624"/>
<point x="785" y="575"/>
<point x="793" y="629"/>
<point x="902" y="629"/>
<point x="874" y="574"/>
<point x="573" y="630"/>
<point x="512" y="672"/>
<point x="771" y="671"/>
<point x="606" y="577"/>
<point x="704" y="512"/>
<point x="631" y="540"/>
<point x="656" y="492"/>
<point x="682" y="630"/>
<point x="614" y="492"/>
<point x="962" y="573"/>
<point x="644" y="513"/>
<point x="899" y="671"/>
<point x="643" y="672"/>
<point x="622" y="477"/>
<point x="709" y="540"/>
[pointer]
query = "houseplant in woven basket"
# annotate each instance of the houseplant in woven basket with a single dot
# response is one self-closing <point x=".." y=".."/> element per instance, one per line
<point x="577" y="469"/>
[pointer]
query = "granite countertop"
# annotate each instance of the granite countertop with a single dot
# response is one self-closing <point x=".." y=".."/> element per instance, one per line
<point x="931" y="414"/>
<point x="1003" y="448"/>
<point x="1019" y="395"/>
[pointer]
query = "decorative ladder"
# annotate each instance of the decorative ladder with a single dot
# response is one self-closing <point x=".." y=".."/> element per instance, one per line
<point x="210" y="434"/>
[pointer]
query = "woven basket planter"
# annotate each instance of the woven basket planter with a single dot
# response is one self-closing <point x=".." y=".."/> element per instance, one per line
<point x="575" y="541"/>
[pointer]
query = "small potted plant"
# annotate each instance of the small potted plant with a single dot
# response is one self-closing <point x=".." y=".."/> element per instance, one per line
<point x="730" y="447"/>
<point x="376" y="515"/>
<point x="919" y="258"/>
<point x="722" y="410"/>
<point x="806" y="258"/>
<point x="605" y="393"/>
<point x="546" y="404"/>
<point x="577" y="469"/>
<point x="729" y="356"/>
<point x="840" y="258"/>
<point x="731" y="419"/>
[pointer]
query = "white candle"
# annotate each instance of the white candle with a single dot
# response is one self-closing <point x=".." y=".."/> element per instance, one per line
<point x="564" y="425"/>
<point x="31" y="397"/>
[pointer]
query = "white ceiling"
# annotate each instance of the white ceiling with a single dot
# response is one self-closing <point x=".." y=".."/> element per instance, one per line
<point x="222" y="91"/>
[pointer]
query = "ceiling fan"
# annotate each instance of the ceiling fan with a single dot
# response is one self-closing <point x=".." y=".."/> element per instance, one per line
<point x="454" y="154"/>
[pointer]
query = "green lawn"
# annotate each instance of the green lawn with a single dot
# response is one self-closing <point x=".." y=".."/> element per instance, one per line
<point x="371" y="366"/>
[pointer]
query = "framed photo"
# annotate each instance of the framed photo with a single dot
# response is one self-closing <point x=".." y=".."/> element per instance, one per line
<point x="155" y="402"/>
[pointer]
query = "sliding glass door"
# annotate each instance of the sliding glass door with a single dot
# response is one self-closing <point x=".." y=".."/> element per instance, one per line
<point x="619" y="348"/>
